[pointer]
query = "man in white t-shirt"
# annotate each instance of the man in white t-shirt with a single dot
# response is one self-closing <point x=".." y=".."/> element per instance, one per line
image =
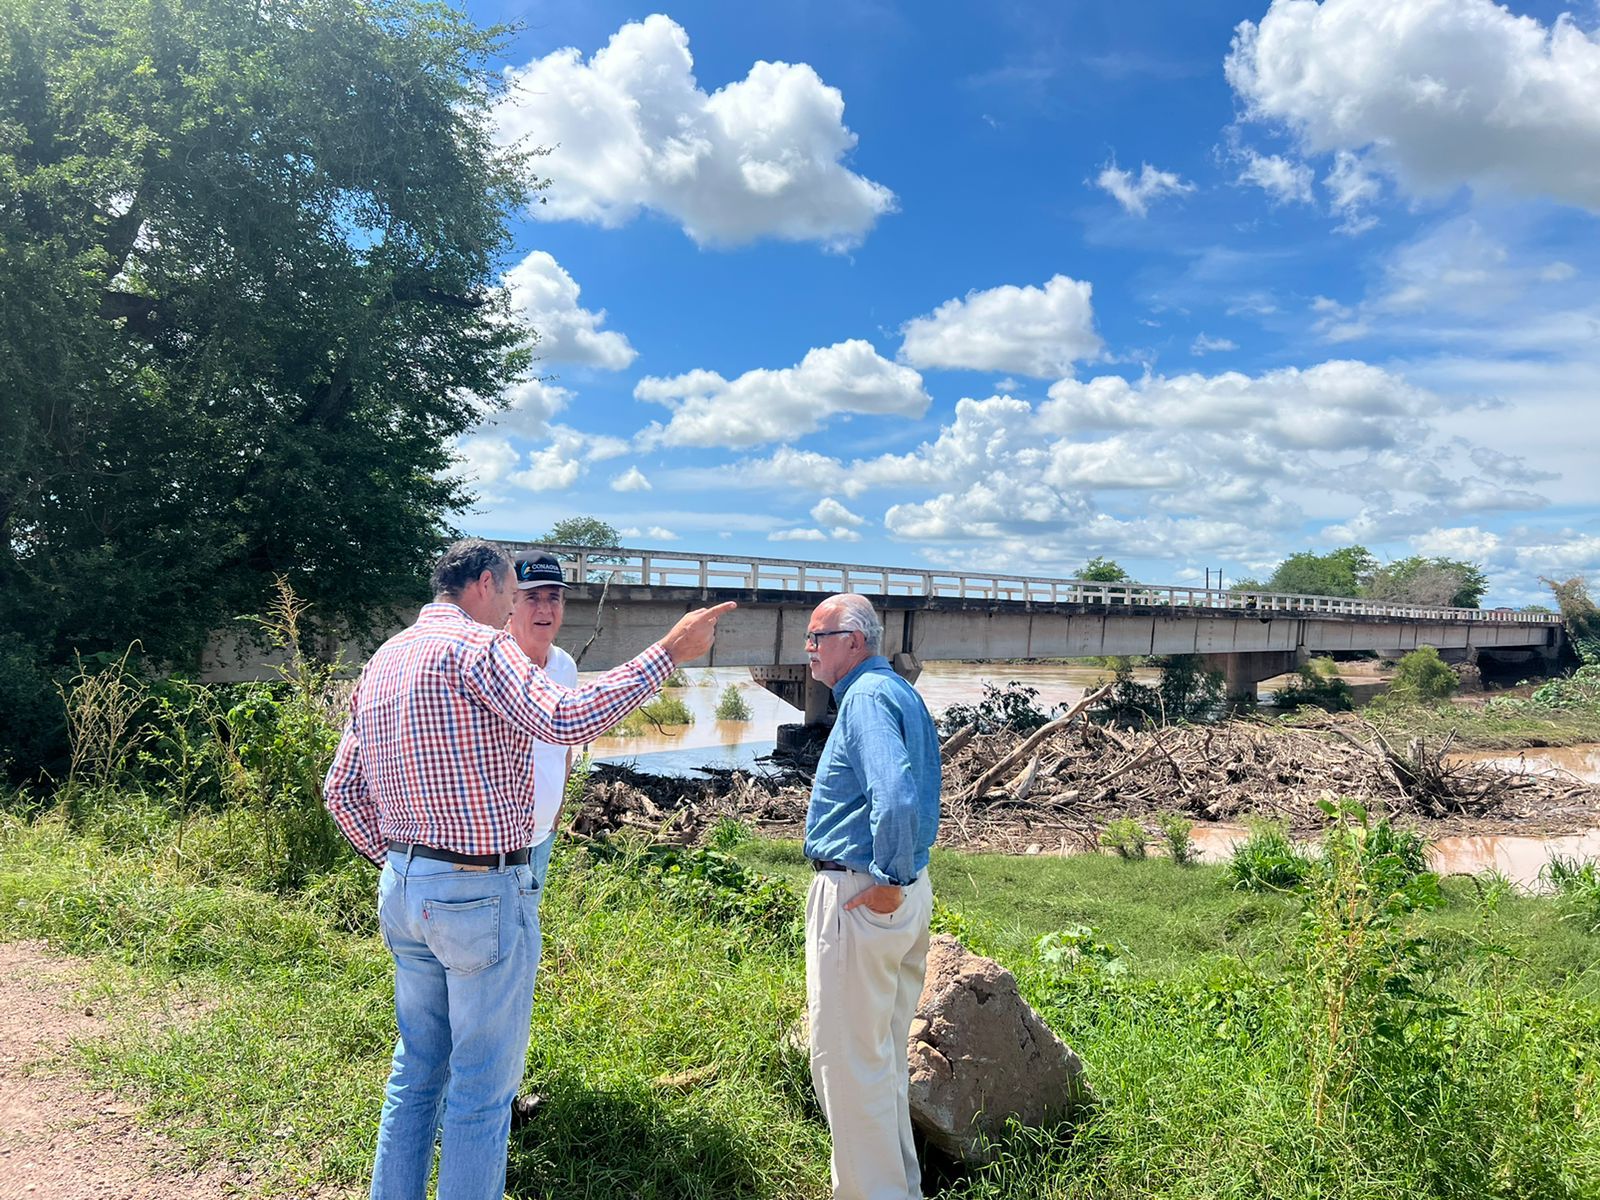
<point x="536" y="614"/>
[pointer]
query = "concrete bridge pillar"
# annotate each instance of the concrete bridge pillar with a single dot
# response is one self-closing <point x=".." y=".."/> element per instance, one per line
<point x="796" y="688"/>
<point x="1243" y="670"/>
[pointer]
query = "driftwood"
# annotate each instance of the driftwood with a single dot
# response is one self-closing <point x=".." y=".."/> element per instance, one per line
<point x="1064" y="781"/>
<point x="1036" y="738"/>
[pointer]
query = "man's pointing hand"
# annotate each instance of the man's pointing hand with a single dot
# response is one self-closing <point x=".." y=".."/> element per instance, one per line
<point x="693" y="634"/>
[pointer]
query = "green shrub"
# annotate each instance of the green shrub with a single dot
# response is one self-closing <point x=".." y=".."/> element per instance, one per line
<point x="1013" y="708"/>
<point x="1126" y="836"/>
<point x="1311" y="688"/>
<point x="1178" y="832"/>
<point x="1422" y="677"/>
<point x="1186" y="691"/>
<point x="1081" y="947"/>
<point x="657" y="713"/>
<point x="731" y="705"/>
<point x="677" y="679"/>
<point x="1267" y="861"/>
<point x="1581" y="689"/>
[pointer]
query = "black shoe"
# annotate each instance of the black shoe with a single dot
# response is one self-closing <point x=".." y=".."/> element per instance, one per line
<point x="523" y="1109"/>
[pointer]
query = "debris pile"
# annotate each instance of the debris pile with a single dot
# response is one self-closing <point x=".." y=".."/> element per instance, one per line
<point x="1000" y="791"/>
<point x="1058" y="786"/>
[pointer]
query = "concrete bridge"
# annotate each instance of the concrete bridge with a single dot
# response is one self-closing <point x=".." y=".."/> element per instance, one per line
<point x="947" y="615"/>
<point x="624" y="599"/>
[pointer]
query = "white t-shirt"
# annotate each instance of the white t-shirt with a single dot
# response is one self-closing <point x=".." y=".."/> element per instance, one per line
<point x="550" y="761"/>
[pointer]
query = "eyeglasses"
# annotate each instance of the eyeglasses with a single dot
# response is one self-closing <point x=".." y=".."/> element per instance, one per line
<point x="813" y="640"/>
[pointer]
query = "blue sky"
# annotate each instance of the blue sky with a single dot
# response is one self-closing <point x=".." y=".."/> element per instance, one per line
<point x="1186" y="285"/>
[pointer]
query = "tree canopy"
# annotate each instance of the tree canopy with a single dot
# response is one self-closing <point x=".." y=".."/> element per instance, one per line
<point x="583" y="531"/>
<point x="1445" y="582"/>
<point x="1103" y="570"/>
<point x="1337" y="573"/>
<point x="247" y="266"/>
<point x="1354" y="573"/>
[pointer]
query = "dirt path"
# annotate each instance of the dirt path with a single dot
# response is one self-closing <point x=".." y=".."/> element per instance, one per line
<point x="60" y="1138"/>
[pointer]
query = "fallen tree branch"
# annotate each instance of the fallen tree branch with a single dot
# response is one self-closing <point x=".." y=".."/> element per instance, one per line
<point x="981" y="787"/>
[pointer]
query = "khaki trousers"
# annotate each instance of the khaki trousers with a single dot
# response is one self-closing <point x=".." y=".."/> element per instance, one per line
<point x="863" y="979"/>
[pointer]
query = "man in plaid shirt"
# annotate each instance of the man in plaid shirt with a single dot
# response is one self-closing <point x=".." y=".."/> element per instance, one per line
<point x="432" y="783"/>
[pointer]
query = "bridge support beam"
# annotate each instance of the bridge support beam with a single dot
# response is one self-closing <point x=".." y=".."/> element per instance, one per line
<point x="1243" y="670"/>
<point x="796" y="688"/>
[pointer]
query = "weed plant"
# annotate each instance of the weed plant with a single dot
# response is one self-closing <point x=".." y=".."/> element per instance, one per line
<point x="1267" y="860"/>
<point x="1178" y="832"/>
<point x="731" y="705"/>
<point x="1126" y="837"/>
<point x="1577" y="883"/>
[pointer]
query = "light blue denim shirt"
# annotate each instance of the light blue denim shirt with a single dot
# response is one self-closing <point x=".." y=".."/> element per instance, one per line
<point x="875" y="802"/>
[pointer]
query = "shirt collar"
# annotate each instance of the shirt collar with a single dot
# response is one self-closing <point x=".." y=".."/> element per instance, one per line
<point x="873" y="662"/>
<point x="443" y="610"/>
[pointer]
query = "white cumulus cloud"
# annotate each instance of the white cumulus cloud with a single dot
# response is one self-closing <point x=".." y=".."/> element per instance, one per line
<point x="1020" y="330"/>
<point x="766" y="405"/>
<point x="1285" y="180"/>
<point x="797" y="535"/>
<point x="1438" y="93"/>
<point x="1136" y="192"/>
<point x="631" y="480"/>
<point x="631" y="129"/>
<point x="829" y="511"/>
<point x="652" y="533"/>
<point x="530" y="403"/>
<point x="545" y="296"/>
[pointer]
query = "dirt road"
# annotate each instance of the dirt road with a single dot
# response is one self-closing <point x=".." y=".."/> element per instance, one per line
<point x="60" y="1138"/>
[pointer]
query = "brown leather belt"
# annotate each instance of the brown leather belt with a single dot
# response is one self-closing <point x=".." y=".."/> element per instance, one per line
<point x="828" y="864"/>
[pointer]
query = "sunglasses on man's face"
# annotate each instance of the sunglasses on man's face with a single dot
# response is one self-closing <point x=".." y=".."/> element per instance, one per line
<point x="813" y="640"/>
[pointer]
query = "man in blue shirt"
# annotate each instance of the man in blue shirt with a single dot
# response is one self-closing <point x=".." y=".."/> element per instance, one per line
<point x="873" y="816"/>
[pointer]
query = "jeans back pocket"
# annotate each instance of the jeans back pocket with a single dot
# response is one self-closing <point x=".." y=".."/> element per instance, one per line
<point x="464" y="935"/>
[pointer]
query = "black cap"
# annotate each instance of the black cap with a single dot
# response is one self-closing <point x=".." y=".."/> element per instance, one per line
<point x="540" y="571"/>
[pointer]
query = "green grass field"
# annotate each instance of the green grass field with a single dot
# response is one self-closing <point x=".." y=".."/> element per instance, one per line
<point x="264" y="1023"/>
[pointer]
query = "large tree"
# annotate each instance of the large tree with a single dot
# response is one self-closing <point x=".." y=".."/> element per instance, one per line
<point x="1444" y="582"/>
<point x="1340" y="572"/>
<point x="247" y="257"/>
<point x="1103" y="570"/>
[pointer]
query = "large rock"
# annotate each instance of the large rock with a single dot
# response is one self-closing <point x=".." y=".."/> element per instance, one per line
<point x="981" y="1056"/>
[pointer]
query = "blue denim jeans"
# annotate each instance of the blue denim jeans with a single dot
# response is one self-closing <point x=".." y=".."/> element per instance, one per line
<point x="539" y="861"/>
<point x="466" y="951"/>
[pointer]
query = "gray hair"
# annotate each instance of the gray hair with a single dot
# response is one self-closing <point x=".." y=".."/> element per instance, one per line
<point x="464" y="561"/>
<point x="856" y="612"/>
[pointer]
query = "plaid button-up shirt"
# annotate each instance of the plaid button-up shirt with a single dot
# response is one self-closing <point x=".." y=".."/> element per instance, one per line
<point x="434" y="751"/>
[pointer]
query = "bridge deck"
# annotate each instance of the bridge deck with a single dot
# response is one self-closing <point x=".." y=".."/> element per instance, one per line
<point x="787" y="580"/>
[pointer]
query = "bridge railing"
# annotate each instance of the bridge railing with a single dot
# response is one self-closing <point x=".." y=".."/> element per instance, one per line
<point x="672" y="568"/>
